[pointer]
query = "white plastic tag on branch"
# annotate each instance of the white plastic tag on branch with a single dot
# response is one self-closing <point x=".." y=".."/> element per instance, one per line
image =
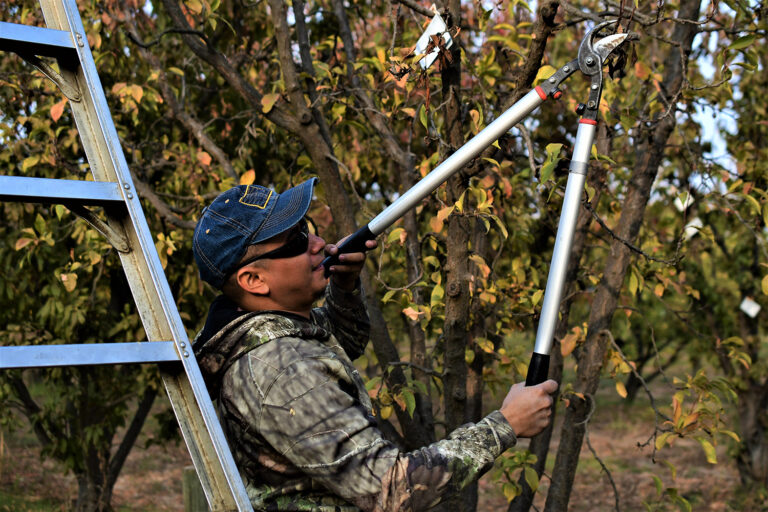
<point x="750" y="307"/>
<point x="436" y="26"/>
<point x="683" y="201"/>
<point x="692" y="228"/>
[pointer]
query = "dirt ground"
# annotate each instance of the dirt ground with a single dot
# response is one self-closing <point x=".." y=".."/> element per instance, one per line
<point x="151" y="479"/>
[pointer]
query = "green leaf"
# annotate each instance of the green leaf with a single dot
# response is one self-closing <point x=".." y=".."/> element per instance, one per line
<point x="537" y="296"/>
<point x="753" y="203"/>
<point x="661" y="440"/>
<point x="40" y="225"/>
<point x="743" y="42"/>
<point x="764" y="285"/>
<point x="437" y="295"/>
<point x="553" y="152"/>
<point x="633" y="283"/>
<point x="531" y="478"/>
<point x="659" y="485"/>
<point x="423" y="117"/>
<point x="511" y="490"/>
<point x="410" y="401"/>
<point x="394" y="235"/>
<point x="709" y="450"/>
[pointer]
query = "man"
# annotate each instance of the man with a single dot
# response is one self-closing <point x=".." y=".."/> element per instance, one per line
<point x="292" y="405"/>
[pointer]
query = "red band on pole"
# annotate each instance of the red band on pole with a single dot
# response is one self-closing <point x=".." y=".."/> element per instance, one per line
<point x="588" y="121"/>
<point x="541" y="92"/>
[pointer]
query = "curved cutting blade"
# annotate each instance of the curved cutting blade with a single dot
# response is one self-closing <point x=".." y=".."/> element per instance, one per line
<point x="606" y="45"/>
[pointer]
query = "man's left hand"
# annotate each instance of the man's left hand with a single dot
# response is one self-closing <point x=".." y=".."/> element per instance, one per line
<point x="345" y="273"/>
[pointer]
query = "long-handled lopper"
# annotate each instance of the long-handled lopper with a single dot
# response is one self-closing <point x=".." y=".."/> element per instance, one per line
<point x="591" y="59"/>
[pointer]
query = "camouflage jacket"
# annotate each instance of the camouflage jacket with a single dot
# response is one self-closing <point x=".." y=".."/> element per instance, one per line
<point x="298" y="418"/>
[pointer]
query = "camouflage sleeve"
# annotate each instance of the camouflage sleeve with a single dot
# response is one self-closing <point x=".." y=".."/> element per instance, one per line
<point x="311" y="417"/>
<point x="344" y="314"/>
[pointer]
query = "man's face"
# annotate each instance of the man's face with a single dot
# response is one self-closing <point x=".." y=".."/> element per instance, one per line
<point x="295" y="282"/>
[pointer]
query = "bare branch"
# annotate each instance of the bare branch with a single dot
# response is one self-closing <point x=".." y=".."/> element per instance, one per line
<point x="220" y="63"/>
<point x="673" y="262"/>
<point x="161" y="206"/>
<point x="424" y="11"/>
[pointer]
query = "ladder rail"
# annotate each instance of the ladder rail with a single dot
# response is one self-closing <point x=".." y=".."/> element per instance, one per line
<point x="154" y="301"/>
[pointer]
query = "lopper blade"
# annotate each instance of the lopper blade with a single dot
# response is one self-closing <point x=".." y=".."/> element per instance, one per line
<point x="606" y="45"/>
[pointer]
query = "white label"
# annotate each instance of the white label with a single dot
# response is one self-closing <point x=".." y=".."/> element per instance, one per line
<point x="750" y="307"/>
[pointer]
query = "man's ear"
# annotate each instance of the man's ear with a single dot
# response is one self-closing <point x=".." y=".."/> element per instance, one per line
<point x="252" y="280"/>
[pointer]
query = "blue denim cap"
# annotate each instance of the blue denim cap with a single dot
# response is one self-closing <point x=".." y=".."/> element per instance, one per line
<point x="240" y="217"/>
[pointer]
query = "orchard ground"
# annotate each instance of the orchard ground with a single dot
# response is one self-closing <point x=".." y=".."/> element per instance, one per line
<point x="151" y="479"/>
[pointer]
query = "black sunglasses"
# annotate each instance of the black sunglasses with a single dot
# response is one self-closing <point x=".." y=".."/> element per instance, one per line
<point x="297" y="243"/>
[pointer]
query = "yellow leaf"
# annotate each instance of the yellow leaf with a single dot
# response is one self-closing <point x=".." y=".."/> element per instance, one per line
<point x="386" y="412"/>
<point x="544" y="72"/>
<point x="568" y="343"/>
<point x="248" y="177"/>
<point x="765" y="285"/>
<point x="621" y="390"/>
<point x="69" y="281"/>
<point x="137" y="92"/>
<point x="28" y="162"/>
<point x="677" y="407"/>
<point x="204" y="158"/>
<point x="268" y="101"/>
<point x="22" y="243"/>
<point x="709" y="450"/>
<point x="690" y="419"/>
<point x="58" y="109"/>
<point x="659" y="290"/>
<point x="485" y="345"/>
<point x="196" y="6"/>
<point x="661" y="440"/>
<point x="411" y="313"/>
<point x="642" y="71"/>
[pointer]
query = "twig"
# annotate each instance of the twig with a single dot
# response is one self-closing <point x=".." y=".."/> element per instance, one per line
<point x="416" y="7"/>
<point x="673" y="262"/>
<point x="529" y="144"/>
<point x="592" y="408"/>
<point x="424" y="369"/>
<point x="348" y="173"/>
<point x="144" y="45"/>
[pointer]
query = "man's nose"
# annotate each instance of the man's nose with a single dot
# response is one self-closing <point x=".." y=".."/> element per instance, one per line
<point x="316" y="243"/>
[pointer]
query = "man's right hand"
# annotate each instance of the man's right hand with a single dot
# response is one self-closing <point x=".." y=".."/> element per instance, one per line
<point x="528" y="409"/>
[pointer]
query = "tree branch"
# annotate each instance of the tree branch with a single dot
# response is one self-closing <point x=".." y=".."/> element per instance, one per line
<point x="130" y="436"/>
<point x="220" y="63"/>
<point x="195" y="127"/>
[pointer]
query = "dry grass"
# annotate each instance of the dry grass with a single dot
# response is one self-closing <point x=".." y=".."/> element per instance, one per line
<point x="151" y="479"/>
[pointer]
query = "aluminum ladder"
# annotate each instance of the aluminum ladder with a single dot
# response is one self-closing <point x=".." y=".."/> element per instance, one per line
<point x="126" y="229"/>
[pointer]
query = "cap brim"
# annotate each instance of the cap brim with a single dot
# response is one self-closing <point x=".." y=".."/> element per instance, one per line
<point x="291" y="206"/>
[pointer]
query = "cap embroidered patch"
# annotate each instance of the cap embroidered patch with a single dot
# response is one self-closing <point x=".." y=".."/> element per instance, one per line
<point x="255" y="196"/>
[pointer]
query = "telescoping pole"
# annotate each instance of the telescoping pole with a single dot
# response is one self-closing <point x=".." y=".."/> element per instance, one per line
<point x="441" y="173"/>
<point x="539" y="365"/>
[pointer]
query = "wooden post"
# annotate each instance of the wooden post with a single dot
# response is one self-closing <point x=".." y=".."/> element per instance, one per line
<point x="194" y="497"/>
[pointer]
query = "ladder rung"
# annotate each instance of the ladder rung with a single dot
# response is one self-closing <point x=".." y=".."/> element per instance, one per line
<point x="40" y="356"/>
<point x="39" y="41"/>
<point x="47" y="190"/>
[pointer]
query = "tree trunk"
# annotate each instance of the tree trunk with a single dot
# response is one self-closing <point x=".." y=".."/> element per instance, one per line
<point x="650" y="152"/>
<point x="539" y="445"/>
<point x="752" y="457"/>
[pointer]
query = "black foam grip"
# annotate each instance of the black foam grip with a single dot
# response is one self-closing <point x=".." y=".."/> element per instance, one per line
<point x="538" y="369"/>
<point x="355" y="243"/>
